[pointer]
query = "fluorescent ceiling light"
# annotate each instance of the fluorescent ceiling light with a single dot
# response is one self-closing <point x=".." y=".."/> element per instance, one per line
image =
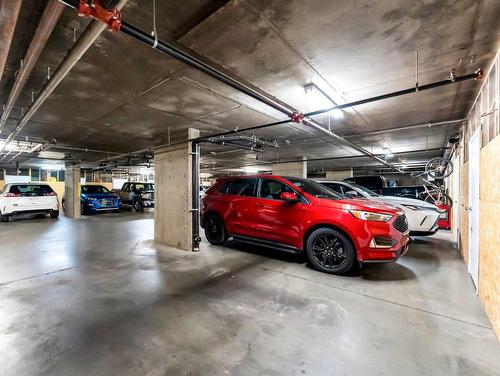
<point x="319" y="99"/>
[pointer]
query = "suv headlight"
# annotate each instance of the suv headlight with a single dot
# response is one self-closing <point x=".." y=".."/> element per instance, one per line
<point x="371" y="216"/>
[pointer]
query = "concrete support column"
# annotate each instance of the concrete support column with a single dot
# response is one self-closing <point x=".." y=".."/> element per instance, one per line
<point x="72" y="191"/>
<point x="173" y="192"/>
<point x="339" y="175"/>
<point x="295" y="169"/>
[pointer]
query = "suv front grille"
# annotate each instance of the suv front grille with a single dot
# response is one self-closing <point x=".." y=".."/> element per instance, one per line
<point x="401" y="223"/>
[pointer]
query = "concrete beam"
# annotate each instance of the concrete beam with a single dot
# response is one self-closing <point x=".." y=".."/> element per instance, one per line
<point x="9" y="12"/>
<point x="295" y="169"/>
<point x="173" y="192"/>
<point x="339" y="175"/>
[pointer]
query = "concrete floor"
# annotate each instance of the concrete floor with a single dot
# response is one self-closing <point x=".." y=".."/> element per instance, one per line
<point x="96" y="297"/>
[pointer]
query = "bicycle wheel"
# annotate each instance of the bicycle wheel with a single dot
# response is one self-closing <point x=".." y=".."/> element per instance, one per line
<point x="439" y="168"/>
<point x="438" y="197"/>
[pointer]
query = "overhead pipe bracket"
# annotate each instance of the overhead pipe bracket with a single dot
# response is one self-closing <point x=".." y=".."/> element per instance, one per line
<point x="479" y="74"/>
<point x="94" y="9"/>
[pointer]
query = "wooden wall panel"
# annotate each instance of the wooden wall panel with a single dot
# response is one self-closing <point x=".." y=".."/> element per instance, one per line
<point x="489" y="232"/>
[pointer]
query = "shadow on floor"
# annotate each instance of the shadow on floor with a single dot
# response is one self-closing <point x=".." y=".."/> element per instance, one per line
<point x="372" y="272"/>
<point x="386" y="272"/>
<point x="297" y="258"/>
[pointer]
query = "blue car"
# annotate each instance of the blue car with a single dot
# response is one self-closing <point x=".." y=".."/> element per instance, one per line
<point x="97" y="198"/>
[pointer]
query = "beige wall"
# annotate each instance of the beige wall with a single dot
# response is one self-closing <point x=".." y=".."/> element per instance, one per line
<point x="489" y="193"/>
<point x="489" y="232"/>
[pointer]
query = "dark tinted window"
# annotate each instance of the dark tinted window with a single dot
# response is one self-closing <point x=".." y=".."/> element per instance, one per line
<point x="93" y="189"/>
<point x="272" y="189"/>
<point x="223" y="187"/>
<point x="144" y="187"/>
<point x="31" y="190"/>
<point x="334" y="186"/>
<point x="242" y="187"/>
<point x="314" y="189"/>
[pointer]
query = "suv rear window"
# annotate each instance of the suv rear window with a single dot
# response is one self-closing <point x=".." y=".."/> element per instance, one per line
<point x="242" y="187"/>
<point x="31" y="190"/>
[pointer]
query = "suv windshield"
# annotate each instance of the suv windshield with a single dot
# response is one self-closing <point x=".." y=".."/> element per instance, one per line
<point x="93" y="189"/>
<point x="314" y="189"/>
<point x="364" y="190"/>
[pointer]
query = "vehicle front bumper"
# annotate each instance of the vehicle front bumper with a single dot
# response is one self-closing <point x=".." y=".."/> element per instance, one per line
<point x="95" y="206"/>
<point x="148" y="203"/>
<point x="367" y="252"/>
<point x="423" y="223"/>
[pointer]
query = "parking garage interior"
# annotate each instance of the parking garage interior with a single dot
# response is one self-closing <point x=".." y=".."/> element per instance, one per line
<point x="156" y="104"/>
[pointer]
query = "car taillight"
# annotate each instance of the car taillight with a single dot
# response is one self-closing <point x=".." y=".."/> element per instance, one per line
<point x="9" y="194"/>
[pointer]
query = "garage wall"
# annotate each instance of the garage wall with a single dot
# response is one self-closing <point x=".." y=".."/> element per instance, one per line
<point x="484" y="115"/>
<point x="464" y="214"/>
<point x="489" y="238"/>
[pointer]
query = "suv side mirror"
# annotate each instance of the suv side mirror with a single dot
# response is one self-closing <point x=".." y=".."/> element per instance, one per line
<point x="289" y="197"/>
<point x="351" y="194"/>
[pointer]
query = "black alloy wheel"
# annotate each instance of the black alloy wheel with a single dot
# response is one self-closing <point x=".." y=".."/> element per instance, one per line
<point x="214" y="230"/>
<point x="138" y="206"/>
<point x="330" y="251"/>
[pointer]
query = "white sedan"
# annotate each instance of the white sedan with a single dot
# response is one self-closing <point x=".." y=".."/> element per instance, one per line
<point x="28" y="198"/>
<point x="422" y="216"/>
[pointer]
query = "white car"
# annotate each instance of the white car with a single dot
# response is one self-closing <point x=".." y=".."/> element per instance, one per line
<point x="422" y="216"/>
<point x="32" y="198"/>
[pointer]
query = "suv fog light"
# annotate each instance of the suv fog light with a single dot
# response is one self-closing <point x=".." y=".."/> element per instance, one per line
<point x="382" y="242"/>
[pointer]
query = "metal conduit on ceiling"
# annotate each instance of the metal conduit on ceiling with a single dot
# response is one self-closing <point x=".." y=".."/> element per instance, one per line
<point x="115" y="23"/>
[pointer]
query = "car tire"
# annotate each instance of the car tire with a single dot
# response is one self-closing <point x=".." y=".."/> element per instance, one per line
<point x="330" y="251"/>
<point x="138" y="206"/>
<point x="83" y="211"/>
<point x="215" y="231"/>
<point x="4" y="218"/>
<point x="54" y="214"/>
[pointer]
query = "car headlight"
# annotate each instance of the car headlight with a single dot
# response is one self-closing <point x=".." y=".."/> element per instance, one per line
<point x="371" y="216"/>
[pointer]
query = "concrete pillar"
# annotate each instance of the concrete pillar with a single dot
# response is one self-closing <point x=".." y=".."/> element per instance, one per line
<point x="339" y="175"/>
<point x="294" y="169"/>
<point x="72" y="191"/>
<point x="173" y="194"/>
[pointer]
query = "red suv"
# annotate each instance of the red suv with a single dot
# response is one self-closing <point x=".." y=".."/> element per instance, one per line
<point x="296" y="215"/>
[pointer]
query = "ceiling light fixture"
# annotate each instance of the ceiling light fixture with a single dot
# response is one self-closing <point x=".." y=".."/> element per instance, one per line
<point x="318" y="98"/>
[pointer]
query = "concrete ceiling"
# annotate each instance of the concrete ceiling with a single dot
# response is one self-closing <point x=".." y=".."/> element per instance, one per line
<point x="124" y="96"/>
